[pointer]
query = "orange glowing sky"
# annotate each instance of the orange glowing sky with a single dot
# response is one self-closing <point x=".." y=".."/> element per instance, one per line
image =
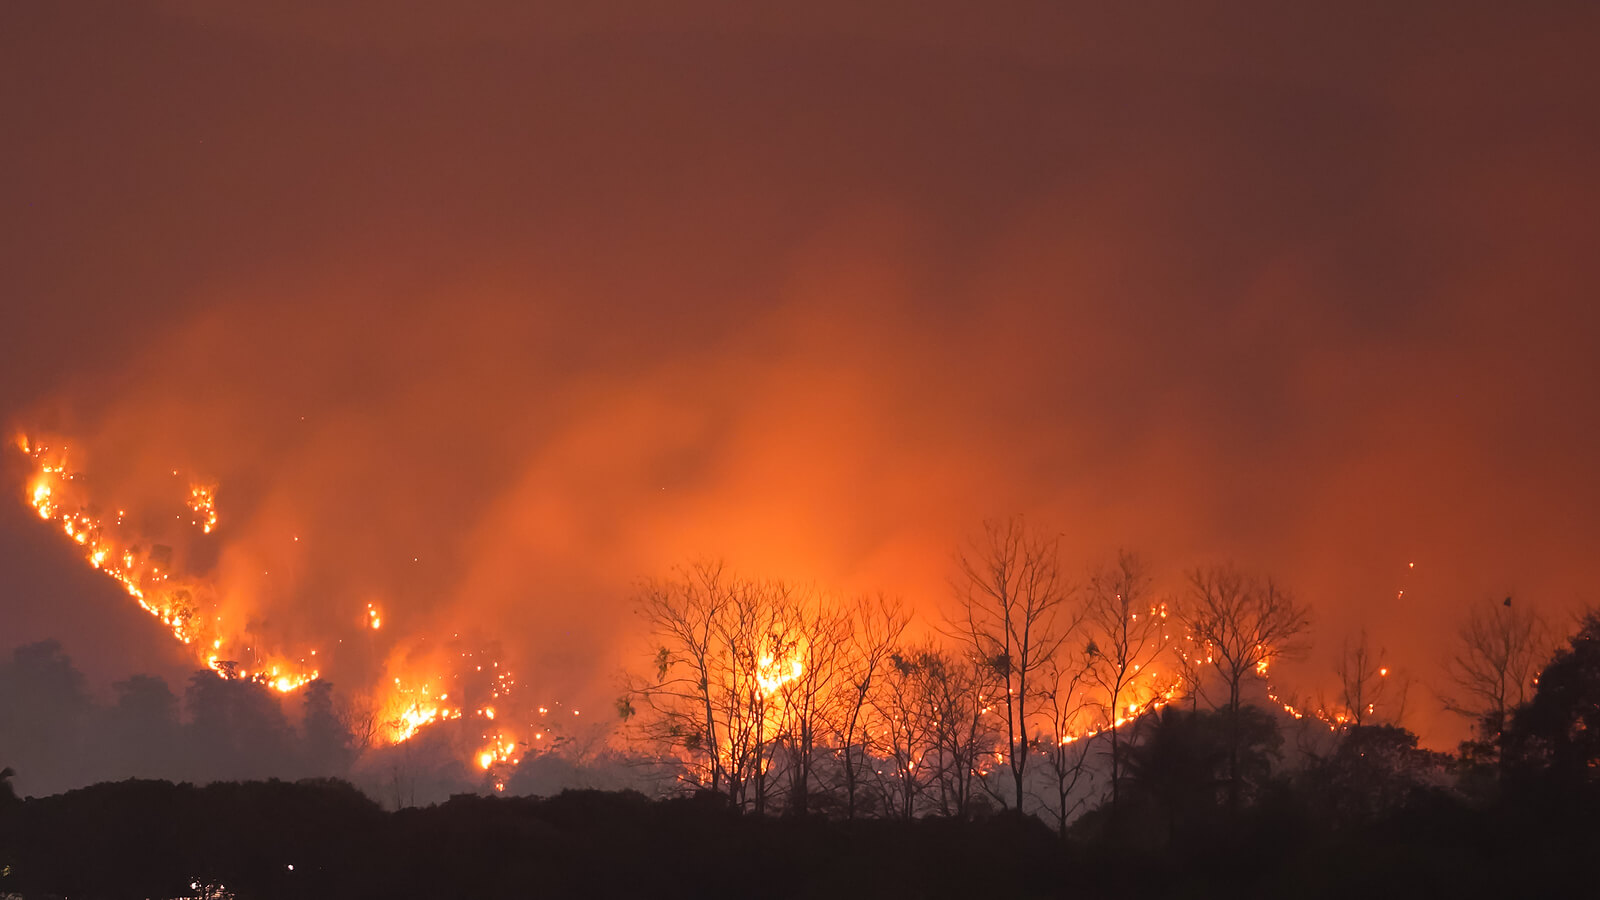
<point x="482" y="319"/>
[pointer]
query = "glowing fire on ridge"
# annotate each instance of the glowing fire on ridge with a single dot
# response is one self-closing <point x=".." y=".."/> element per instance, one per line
<point x="144" y="570"/>
<point x="411" y="703"/>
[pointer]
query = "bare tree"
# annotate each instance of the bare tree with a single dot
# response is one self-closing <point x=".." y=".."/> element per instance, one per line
<point x="748" y="681"/>
<point x="1239" y="625"/>
<point x="877" y="623"/>
<point x="951" y="689"/>
<point x="1192" y="665"/>
<point x="361" y="719"/>
<point x="1499" y="651"/>
<point x="1368" y="689"/>
<point x="757" y="649"/>
<point x="1064" y="748"/>
<point x="1013" y="618"/>
<point x="904" y="736"/>
<point x="810" y="683"/>
<point x="1127" y="633"/>
<point x="681" y="694"/>
<point x="704" y="699"/>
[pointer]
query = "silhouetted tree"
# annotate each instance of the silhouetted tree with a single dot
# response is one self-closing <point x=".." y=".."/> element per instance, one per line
<point x="1127" y="632"/>
<point x="905" y="732"/>
<point x="1184" y="765"/>
<point x="325" y="743"/>
<point x="1555" y="736"/>
<point x="724" y="647"/>
<point x="1013" y="618"/>
<point x="143" y="727"/>
<point x="1373" y="771"/>
<point x="684" y="698"/>
<point x="1368" y="690"/>
<point x="877" y="623"/>
<point x="236" y="729"/>
<point x="1498" y="653"/>
<point x="812" y="687"/>
<point x="10" y="810"/>
<point x="1068" y="715"/>
<point x="44" y="710"/>
<point x="951" y="704"/>
<point x="1238" y="625"/>
<point x="361" y="721"/>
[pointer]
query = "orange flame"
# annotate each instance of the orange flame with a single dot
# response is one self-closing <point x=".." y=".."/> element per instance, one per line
<point x="144" y="572"/>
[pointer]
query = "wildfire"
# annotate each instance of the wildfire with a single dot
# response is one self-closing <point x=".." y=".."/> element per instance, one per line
<point x="476" y="689"/>
<point x="498" y="752"/>
<point x="774" y="674"/>
<point x="409" y="709"/>
<point x="147" y="573"/>
<point x="203" y="504"/>
<point x="144" y="569"/>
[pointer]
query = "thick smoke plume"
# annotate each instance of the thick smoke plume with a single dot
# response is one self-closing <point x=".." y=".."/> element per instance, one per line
<point x="480" y="324"/>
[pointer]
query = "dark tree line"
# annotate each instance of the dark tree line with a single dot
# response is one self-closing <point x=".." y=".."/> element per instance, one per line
<point x="1209" y="806"/>
<point x="817" y="750"/>
<point x="54" y="734"/>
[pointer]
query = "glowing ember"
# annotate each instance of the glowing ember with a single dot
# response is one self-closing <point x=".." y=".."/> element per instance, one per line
<point x="498" y="752"/>
<point x="203" y="504"/>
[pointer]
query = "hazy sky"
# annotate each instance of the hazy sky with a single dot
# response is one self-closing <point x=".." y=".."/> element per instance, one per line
<point x="502" y="308"/>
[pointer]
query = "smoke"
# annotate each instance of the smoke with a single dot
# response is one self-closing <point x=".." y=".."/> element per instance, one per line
<point x="481" y="324"/>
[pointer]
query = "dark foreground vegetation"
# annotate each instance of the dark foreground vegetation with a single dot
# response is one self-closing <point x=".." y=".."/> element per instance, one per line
<point x="139" y="839"/>
<point x="1228" y="800"/>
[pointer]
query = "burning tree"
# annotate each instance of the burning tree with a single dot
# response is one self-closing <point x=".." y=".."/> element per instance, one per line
<point x="725" y="648"/>
<point x="1013" y="618"/>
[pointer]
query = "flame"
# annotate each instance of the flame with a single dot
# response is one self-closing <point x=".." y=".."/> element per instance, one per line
<point x="409" y="709"/>
<point x="473" y="688"/>
<point x="203" y="504"/>
<point x="412" y="698"/>
<point x="142" y="568"/>
<point x="498" y="752"/>
<point x="774" y="674"/>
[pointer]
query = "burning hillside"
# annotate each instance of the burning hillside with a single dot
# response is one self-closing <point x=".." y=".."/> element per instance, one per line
<point x="156" y="553"/>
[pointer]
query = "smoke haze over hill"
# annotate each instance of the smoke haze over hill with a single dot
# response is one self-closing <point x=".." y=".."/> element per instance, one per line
<point x="480" y="317"/>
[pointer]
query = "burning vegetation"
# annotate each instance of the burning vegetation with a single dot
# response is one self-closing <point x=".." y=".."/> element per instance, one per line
<point x="152" y="575"/>
<point x="140" y="552"/>
<point x="782" y="696"/>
